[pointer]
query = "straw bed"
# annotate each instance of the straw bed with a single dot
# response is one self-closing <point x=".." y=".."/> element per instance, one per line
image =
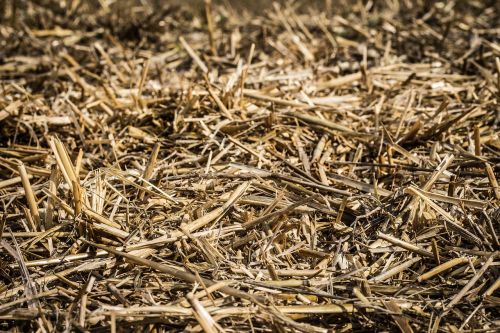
<point x="221" y="168"/>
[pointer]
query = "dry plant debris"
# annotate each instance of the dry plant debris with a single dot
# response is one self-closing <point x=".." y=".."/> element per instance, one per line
<point x="210" y="168"/>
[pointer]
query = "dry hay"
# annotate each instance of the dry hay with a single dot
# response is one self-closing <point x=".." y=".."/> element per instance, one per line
<point x="167" y="168"/>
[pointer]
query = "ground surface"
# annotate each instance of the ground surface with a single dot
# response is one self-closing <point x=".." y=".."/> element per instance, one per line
<point x="283" y="169"/>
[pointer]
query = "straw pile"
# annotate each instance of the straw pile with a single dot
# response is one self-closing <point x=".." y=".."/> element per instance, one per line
<point x="168" y="168"/>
